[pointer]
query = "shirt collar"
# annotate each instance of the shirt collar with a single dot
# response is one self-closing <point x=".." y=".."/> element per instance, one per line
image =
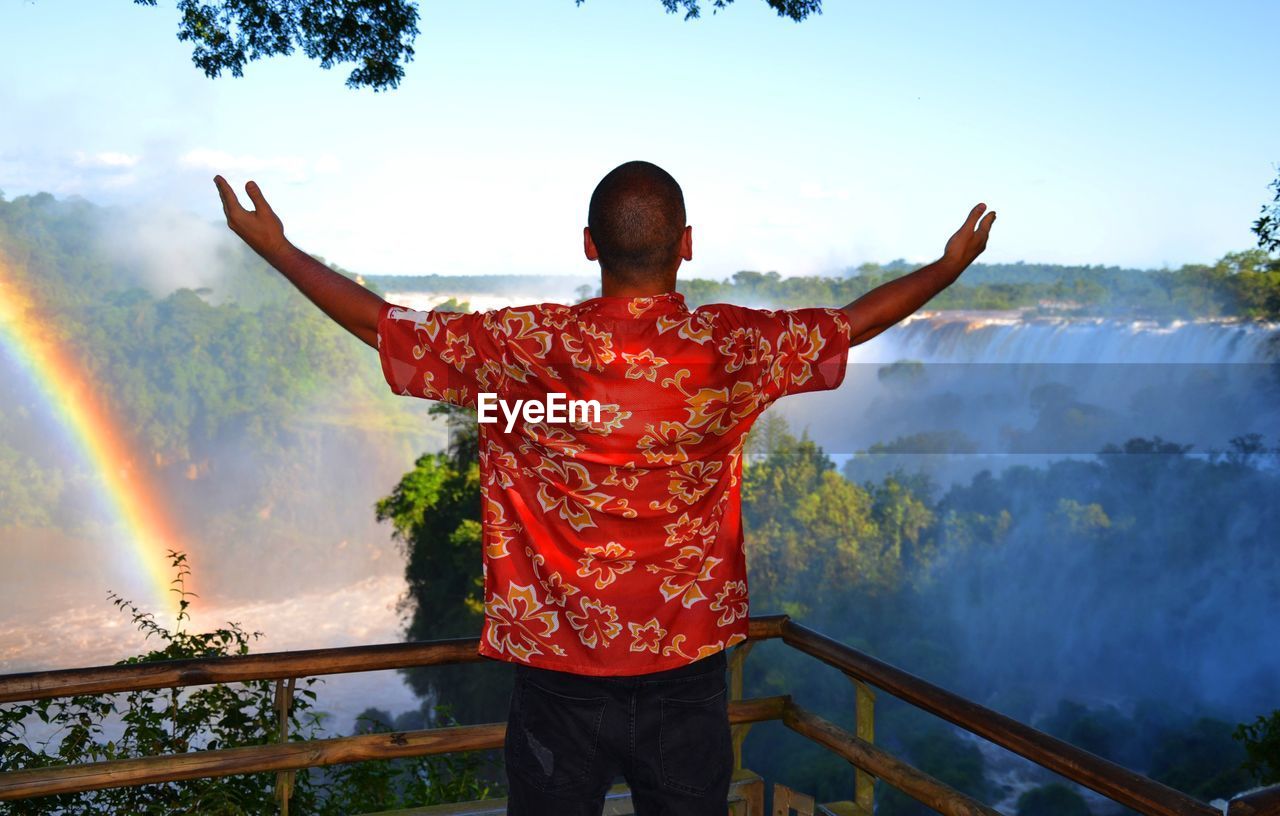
<point x="624" y="306"/>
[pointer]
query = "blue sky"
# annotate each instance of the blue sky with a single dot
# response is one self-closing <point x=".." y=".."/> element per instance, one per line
<point x="1133" y="133"/>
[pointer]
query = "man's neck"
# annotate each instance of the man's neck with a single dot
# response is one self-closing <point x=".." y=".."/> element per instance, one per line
<point x="660" y="285"/>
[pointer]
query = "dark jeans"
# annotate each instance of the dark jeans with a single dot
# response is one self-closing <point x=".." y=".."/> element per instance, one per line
<point x="667" y="733"/>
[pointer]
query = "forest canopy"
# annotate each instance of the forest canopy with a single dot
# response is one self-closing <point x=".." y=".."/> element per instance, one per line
<point x="1243" y="284"/>
<point x="377" y="35"/>
<point x="898" y="566"/>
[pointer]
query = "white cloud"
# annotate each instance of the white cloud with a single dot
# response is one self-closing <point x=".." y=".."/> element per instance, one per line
<point x="123" y="180"/>
<point x="109" y="159"/>
<point x="294" y="169"/>
<point x="166" y="248"/>
<point x="818" y="190"/>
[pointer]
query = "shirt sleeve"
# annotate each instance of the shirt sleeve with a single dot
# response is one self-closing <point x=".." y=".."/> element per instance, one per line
<point x="432" y="355"/>
<point x="802" y="350"/>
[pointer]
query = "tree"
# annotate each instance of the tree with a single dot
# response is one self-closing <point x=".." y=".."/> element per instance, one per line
<point x="435" y="515"/>
<point x="795" y="9"/>
<point x="376" y="34"/>
<point x="1268" y="224"/>
<point x="943" y="754"/>
<point x="1261" y="741"/>
<point x="1201" y="761"/>
<point x="157" y="722"/>
<point x="1054" y="799"/>
<point x="128" y="725"/>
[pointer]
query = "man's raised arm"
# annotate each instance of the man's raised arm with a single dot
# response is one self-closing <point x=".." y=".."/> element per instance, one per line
<point x="889" y="303"/>
<point x="351" y="305"/>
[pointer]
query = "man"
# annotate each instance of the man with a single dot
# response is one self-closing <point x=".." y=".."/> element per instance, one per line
<point x="614" y="570"/>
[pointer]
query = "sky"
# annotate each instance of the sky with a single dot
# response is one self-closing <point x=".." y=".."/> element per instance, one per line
<point x="1135" y="133"/>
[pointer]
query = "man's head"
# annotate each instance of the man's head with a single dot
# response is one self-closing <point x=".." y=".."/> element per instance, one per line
<point x="636" y="228"/>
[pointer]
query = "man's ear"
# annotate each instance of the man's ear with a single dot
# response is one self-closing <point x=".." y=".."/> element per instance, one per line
<point x="686" y="244"/>
<point x="589" y="246"/>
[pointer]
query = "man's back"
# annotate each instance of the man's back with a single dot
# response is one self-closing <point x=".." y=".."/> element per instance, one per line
<point x="613" y="545"/>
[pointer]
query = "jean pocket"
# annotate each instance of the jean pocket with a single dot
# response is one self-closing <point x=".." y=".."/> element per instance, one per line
<point x="694" y="745"/>
<point x="553" y="736"/>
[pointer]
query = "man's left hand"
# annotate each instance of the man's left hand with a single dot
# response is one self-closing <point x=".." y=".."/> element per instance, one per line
<point x="968" y="243"/>
<point x="260" y="227"/>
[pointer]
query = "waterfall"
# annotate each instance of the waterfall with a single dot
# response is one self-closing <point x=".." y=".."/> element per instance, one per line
<point x="957" y="392"/>
<point x="961" y="337"/>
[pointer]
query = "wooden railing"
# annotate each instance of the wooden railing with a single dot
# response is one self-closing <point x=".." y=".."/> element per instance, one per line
<point x="869" y="761"/>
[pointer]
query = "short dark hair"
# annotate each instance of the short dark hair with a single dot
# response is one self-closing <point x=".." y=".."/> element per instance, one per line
<point x="636" y="220"/>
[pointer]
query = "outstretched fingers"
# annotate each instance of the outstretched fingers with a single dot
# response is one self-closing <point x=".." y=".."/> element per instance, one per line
<point x="230" y="204"/>
<point x="255" y="195"/>
<point x="984" y="228"/>
<point x="974" y="215"/>
<point x="971" y="239"/>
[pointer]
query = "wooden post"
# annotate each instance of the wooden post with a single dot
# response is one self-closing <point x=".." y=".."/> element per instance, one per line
<point x="302" y="754"/>
<point x="864" y="784"/>
<point x="736" y="661"/>
<point x="284" y="705"/>
<point x="785" y="800"/>
<point x="912" y="781"/>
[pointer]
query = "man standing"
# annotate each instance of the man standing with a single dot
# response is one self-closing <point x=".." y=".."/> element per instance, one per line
<point x="611" y="442"/>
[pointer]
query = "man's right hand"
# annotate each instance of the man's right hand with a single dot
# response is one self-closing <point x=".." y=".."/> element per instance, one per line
<point x="968" y="243"/>
<point x="890" y="302"/>
<point x="349" y="304"/>
<point x="260" y="227"/>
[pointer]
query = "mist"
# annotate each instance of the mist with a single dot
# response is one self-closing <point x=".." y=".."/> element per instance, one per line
<point x="276" y="513"/>
<point x="1119" y="581"/>
<point x="1125" y="484"/>
<point x="166" y="248"/>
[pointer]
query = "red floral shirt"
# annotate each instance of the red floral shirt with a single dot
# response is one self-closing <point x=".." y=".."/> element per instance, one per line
<point x="613" y="544"/>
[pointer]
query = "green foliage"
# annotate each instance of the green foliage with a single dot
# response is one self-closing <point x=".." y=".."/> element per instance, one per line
<point x="29" y="493"/>
<point x="96" y="728"/>
<point x="1081" y="521"/>
<point x="793" y="9"/>
<point x="943" y="754"/>
<point x="90" y="728"/>
<point x="477" y="284"/>
<point x="1240" y="284"/>
<point x="1054" y="799"/>
<point x="188" y="373"/>
<point x="816" y="540"/>
<point x="951" y="759"/>
<point x="185" y="372"/>
<point x="1261" y="740"/>
<point x="1103" y="731"/>
<point x="435" y="515"/>
<point x="376" y="34"/>
<point x="369" y="787"/>
<point x="453" y="305"/>
<point x="860" y="562"/>
<point x="432" y="503"/>
<point x="1201" y="760"/>
<point x="1267" y="226"/>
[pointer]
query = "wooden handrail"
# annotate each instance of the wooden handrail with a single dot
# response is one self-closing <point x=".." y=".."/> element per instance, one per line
<point x="265" y="666"/>
<point x="1111" y="780"/>
<point x="234" y="669"/>
<point x="293" y="756"/>
<point x="906" y="778"/>
<point x="1265" y="802"/>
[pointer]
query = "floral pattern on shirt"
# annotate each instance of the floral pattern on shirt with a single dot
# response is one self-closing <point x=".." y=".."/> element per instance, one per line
<point x="613" y="545"/>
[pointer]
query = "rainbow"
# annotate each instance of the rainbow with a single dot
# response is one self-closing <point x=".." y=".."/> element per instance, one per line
<point x="99" y="437"/>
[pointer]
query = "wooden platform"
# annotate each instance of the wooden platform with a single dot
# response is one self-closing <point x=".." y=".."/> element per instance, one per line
<point x="746" y="798"/>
